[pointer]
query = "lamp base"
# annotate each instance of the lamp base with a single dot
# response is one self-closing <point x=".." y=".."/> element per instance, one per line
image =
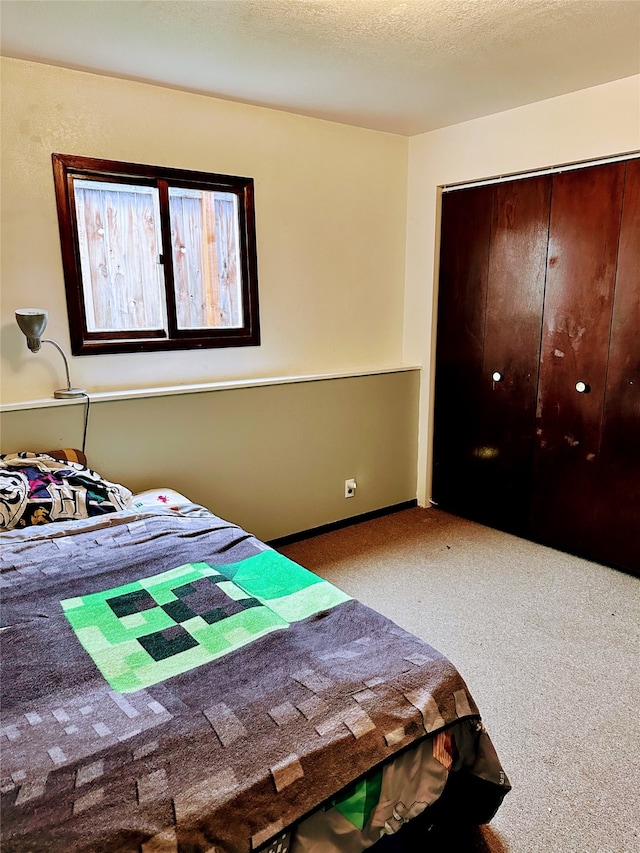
<point x="69" y="393"/>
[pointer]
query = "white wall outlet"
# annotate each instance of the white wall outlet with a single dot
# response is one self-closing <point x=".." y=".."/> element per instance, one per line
<point x="350" y="488"/>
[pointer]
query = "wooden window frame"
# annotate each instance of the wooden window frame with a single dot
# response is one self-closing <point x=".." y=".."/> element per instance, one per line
<point x="67" y="168"/>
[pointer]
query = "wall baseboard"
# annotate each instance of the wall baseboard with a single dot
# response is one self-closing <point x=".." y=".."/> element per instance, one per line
<point x="338" y="525"/>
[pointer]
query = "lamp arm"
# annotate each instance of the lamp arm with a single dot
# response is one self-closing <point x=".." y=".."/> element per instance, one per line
<point x="66" y="363"/>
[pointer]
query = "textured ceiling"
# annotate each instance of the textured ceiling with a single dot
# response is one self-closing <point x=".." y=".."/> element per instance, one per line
<point x="404" y="67"/>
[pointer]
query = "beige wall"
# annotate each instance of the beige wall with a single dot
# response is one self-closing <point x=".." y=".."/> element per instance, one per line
<point x="589" y="124"/>
<point x="331" y="226"/>
<point x="273" y="459"/>
<point x="331" y="229"/>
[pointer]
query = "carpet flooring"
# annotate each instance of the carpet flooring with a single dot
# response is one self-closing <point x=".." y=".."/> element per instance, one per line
<point x="549" y="645"/>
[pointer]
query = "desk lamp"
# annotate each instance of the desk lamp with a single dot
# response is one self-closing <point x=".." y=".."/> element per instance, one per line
<point x="32" y="322"/>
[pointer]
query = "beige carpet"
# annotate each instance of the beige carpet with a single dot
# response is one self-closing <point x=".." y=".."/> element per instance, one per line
<point x="549" y="645"/>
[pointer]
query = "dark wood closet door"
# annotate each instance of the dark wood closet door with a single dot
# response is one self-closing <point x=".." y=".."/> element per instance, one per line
<point x="464" y="256"/>
<point x="583" y="244"/>
<point x="515" y="296"/>
<point x="618" y="500"/>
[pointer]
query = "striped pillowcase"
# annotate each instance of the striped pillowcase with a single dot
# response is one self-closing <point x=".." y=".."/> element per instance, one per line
<point x="68" y="454"/>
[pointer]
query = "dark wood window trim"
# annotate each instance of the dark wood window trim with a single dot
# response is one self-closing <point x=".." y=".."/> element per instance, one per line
<point x="68" y="168"/>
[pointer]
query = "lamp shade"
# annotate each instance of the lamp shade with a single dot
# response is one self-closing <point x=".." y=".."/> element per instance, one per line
<point x="32" y="322"/>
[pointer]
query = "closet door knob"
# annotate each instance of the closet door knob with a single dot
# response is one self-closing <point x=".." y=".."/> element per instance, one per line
<point x="582" y="387"/>
<point x="497" y="376"/>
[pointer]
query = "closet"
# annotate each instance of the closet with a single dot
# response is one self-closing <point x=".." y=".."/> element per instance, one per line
<point x="537" y="389"/>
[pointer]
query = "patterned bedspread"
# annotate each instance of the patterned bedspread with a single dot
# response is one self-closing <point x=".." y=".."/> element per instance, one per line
<point x="170" y="683"/>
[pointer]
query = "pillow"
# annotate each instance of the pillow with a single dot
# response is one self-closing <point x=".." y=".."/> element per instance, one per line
<point x="35" y="488"/>
<point x="68" y="454"/>
<point x="168" y="498"/>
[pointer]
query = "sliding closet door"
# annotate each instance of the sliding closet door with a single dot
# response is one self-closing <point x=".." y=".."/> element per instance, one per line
<point x="515" y="296"/>
<point x="464" y="256"/>
<point x="618" y="505"/>
<point x="492" y="275"/>
<point x="583" y="243"/>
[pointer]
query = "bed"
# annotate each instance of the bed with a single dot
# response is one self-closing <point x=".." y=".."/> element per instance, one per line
<point x="171" y="684"/>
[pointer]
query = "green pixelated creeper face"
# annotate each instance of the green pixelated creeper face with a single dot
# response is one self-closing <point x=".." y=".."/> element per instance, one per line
<point x="152" y="629"/>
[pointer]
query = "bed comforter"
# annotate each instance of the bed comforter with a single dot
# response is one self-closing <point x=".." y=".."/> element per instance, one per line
<point x="170" y="683"/>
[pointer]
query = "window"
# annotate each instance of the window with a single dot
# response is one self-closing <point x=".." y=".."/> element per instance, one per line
<point x="155" y="258"/>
